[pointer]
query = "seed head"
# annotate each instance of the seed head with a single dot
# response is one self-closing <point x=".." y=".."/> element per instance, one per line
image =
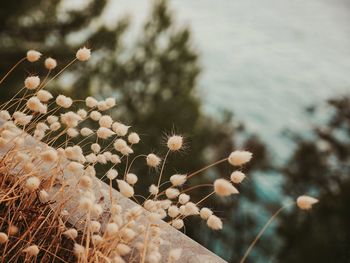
<point x="237" y="177"/>
<point x="214" y="222"/>
<point x="71" y="233"/>
<point x="32" y="251"/>
<point x="83" y="54"/>
<point x="3" y="238"/>
<point x="131" y="178"/>
<point x="223" y="187"/>
<point x="205" y="213"/>
<point x="91" y="102"/>
<point x="33" y="55"/>
<point x="63" y="101"/>
<point x="133" y="138"/>
<point x="178" y="179"/>
<point x="32" y="82"/>
<point x="152" y="160"/>
<point x="50" y="63"/>
<point x="44" y="96"/>
<point x="125" y="189"/>
<point x="305" y="202"/>
<point x="238" y="158"/>
<point x="175" y="142"/>
<point x="32" y="183"/>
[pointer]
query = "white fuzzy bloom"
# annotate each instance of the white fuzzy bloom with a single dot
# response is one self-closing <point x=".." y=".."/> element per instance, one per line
<point x="44" y="196"/>
<point x="120" y="129"/>
<point x="178" y="179"/>
<point x="91" y="102"/>
<point x="112" y="229"/>
<point x="214" y="222"/>
<point x="49" y="156"/>
<point x="115" y="159"/>
<point x="5" y="115"/>
<point x="64" y="101"/>
<point x="175" y="142"/>
<point x="72" y="132"/>
<point x="104" y="133"/>
<point x="191" y="209"/>
<point x="106" y="121"/>
<point x="205" y="213"/>
<point x="86" y="203"/>
<point x="112" y="174"/>
<point x="32" y="183"/>
<point x="96" y="239"/>
<point x="71" y="233"/>
<point x="55" y="126"/>
<point x="123" y="249"/>
<point x="101" y="159"/>
<point x="173" y="211"/>
<point x="102" y="106"/>
<point x="44" y="95"/>
<point x="83" y="54"/>
<point x="78" y="250"/>
<point x="131" y="178"/>
<point x="70" y="119"/>
<point x="32" y="251"/>
<point x="177" y="223"/>
<point x="184" y="198"/>
<point x="50" y="63"/>
<point x="91" y="158"/>
<point x="21" y="118"/>
<point x="51" y="119"/>
<point x="237" y="177"/>
<point x="172" y="193"/>
<point x="85" y="181"/>
<point x="39" y="135"/>
<point x="110" y="102"/>
<point x="32" y="82"/>
<point x="35" y="105"/>
<point x="125" y="189"/>
<point x="82" y="113"/>
<point x="223" y="187"/>
<point x="238" y="158"/>
<point x="119" y="145"/>
<point x="95" y="226"/>
<point x="305" y="202"/>
<point x="153" y="189"/>
<point x="133" y="138"/>
<point x="42" y="126"/>
<point x="86" y="132"/>
<point x="75" y="168"/>
<point x="95" y="115"/>
<point x="33" y="55"/>
<point x="3" y="238"/>
<point x="95" y="147"/>
<point x="152" y="160"/>
<point x="174" y="255"/>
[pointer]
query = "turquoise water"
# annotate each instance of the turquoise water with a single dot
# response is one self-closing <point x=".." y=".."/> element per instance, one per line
<point x="265" y="60"/>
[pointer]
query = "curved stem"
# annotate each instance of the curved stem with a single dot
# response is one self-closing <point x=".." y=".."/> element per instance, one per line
<point x="15" y="66"/>
<point x="206" y="167"/>
<point x="262" y="231"/>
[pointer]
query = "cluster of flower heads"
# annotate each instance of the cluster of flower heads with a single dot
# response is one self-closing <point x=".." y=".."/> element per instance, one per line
<point x="33" y="166"/>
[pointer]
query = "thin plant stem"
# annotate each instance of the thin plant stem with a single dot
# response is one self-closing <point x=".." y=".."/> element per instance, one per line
<point x="262" y="231"/>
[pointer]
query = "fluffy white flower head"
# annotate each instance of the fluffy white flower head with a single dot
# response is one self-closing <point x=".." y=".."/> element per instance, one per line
<point x="223" y="187"/>
<point x="175" y="142"/>
<point x="83" y="54"/>
<point x="238" y="158"/>
<point x="33" y="55"/>
<point x="305" y="202"/>
<point x="32" y="82"/>
<point x="50" y="63"/>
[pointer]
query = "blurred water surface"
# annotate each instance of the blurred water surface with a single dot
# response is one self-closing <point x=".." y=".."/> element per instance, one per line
<point x="265" y="60"/>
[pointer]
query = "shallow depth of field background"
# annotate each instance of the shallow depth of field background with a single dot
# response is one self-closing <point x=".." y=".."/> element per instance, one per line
<point x="280" y="67"/>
